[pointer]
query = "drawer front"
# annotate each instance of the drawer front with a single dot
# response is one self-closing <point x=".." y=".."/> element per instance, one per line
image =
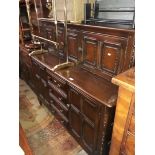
<point x="90" y="110"/>
<point x="58" y="98"/>
<point x="59" y="109"/>
<point x="75" y="98"/>
<point x="39" y="69"/>
<point x="59" y="83"/>
<point x="59" y="91"/>
<point x="25" y="58"/>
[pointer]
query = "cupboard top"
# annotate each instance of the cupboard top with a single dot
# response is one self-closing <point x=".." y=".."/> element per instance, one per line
<point x="126" y="79"/>
<point x="87" y="83"/>
<point x="98" y="88"/>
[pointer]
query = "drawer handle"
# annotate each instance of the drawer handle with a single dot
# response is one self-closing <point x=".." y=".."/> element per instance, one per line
<point x="55" y="81"/>
<point x="61" y="110"/>
<point x="53" y="111"/>
<point x="44" y="82"/>
<point x="62" y="122"/>
<point x="60" y="98"/>
<point x="68" y="105"/>
<point x="59" y="85"/>
<point x="51" y="101"/>
<point x="41" y="68"/>
<point x="38" y="77"/>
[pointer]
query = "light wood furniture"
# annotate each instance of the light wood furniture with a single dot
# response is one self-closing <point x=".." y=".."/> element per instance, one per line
<point x="123" y="136"/>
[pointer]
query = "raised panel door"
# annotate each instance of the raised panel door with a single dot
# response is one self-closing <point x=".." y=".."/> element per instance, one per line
<point x="89" y="137"/>
<point x="110" y="56"/>
<point x="75" y="98"/>
<point x="75" y="122"/>
<point x="90" y="110"/>
<point x="90" y="51"/>
<point x="73" y="43"/>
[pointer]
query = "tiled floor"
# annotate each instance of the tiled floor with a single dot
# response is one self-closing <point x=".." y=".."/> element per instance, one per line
<point x="42" y="139"/>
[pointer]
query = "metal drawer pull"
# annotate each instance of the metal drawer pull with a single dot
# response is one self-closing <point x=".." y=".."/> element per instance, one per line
<point x="51" y="101"/>
<point x="59" y="85"/>
<point x="60" y="98"/>
<point x="68" y="105"/>
<point x="55" y="81"/>
<point x="44" y="82"/>
<point x="38" y="77"/>
<point x="62" y="122"/>
<point x="61" y="110"/>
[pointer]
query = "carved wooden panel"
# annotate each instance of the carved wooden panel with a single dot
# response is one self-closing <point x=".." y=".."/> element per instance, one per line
<point x="110" y="56"/>
<point x="61" y="40"/>
<point x="90" y="110"/>
<point x="75" y="122"/>
<point x="90" y="51"/>
<point x="88" y="135"/>
<point x="73" y="45"/>
<point x="75" y="99"/>
<point x="50" y="33"/>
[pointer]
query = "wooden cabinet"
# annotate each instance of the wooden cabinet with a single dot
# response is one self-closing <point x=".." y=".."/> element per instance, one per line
<point x="84" y="119"/>
<point x="123" y="137"/>
<point x="40" y="80"/>
<point x="103" y="54"/>
<point x="25" y="66"/>
<point x="57" y="101"/>
<point x="74" y="45"/>
<point x="82" y="97"/>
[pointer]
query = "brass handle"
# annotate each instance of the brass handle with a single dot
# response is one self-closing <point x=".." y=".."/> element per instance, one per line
<point x="60" y="98"/>
<point x="61" y="111"/>
<point x="68" y="105"/>
<point x="38" y="77"/>
<point x="59" y="85"/>
<point x="51" y="101"/>
<point x="62" y="122"/>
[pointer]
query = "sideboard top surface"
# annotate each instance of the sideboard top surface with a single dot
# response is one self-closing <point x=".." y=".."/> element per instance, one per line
<point x="96" y="87"/>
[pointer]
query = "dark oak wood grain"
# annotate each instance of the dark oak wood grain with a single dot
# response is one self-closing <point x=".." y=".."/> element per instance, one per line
<point x="82" y="97"/>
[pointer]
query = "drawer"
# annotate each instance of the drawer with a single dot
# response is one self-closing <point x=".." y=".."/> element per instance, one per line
<point x="56" y="89"/>
<point x="61" y="109"/>
<point x="58" y="98"/>
<point x="39" y="69"/>
<point x="62" y="114"/>
<point x="25" y="58"/>
<point x="59" y="83"/>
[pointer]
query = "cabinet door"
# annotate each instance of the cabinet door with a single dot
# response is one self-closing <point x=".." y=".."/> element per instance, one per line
<point x="75" y="98"/>
<point x="91" y="117"/>
<point x="73" y="45"/>
<point x="89" y="135"/>
<point x="75" y="122"/>
<point x="90" y="51"/>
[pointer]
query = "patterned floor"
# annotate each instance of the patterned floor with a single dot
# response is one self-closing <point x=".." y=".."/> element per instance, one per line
<point x="45" y="134"/>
